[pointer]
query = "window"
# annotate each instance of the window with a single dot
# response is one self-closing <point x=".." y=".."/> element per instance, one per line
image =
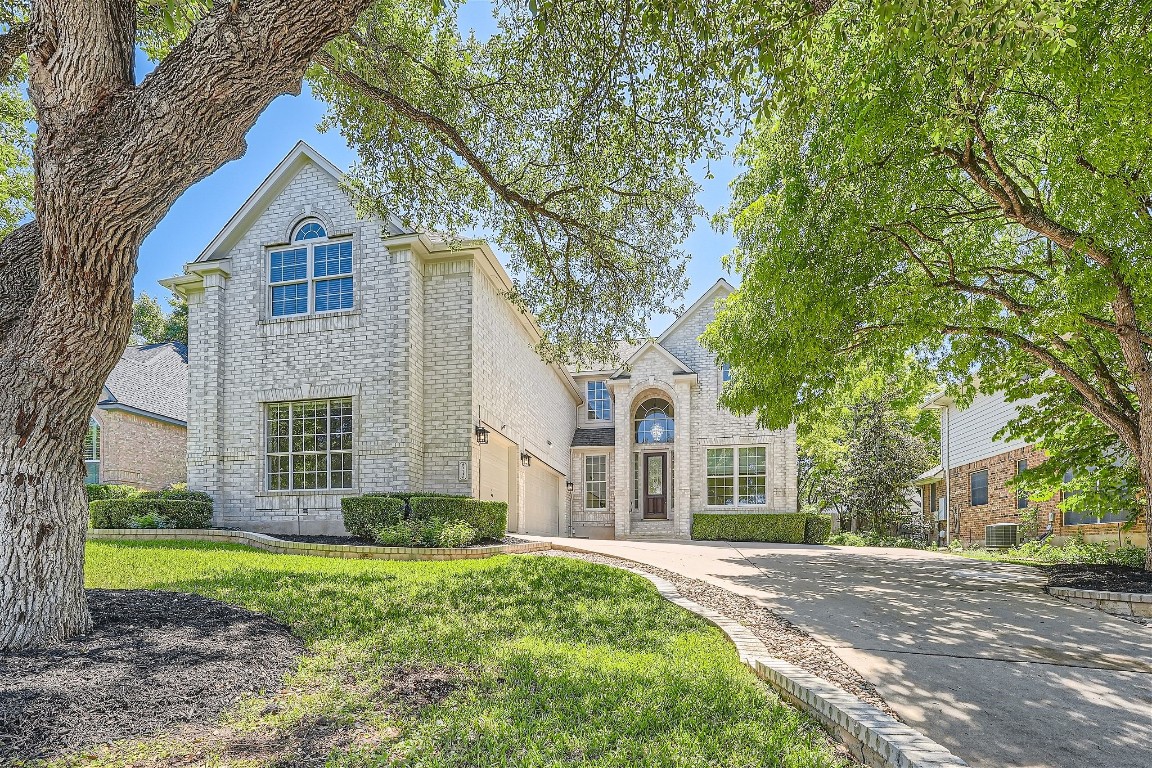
<point x="326" y="287"/>
<point x="737" y="476"/>
<point x="92" y="452"/>
<point x="596" y="482"/>
<point x="655" y="422"/>
<point x="309" y="445"/>
<point x="599" y="403"/>
<point x="1021" y="496"/>
<point x="1086" y="516"/>
<point x="978" y="488"/>
<point x="725" y="373"/>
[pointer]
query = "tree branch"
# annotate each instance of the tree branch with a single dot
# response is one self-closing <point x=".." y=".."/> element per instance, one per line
<point x="13" y="45"/>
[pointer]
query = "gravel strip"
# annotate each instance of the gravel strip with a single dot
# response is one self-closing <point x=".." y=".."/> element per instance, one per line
<point x="154" y="661"/>
<point x="782" y="638"/>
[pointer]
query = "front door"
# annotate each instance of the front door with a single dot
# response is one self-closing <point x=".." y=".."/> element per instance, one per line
<point x="655" y="486"/>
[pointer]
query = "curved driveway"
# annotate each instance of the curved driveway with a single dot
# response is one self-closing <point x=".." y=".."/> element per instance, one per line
<point x="972" y="654"/>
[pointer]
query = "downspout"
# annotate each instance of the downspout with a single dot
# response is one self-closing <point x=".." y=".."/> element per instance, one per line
<point x="946" y="460"/>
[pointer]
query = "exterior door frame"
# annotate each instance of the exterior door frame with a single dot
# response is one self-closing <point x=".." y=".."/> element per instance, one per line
<point x="655" y="506"/>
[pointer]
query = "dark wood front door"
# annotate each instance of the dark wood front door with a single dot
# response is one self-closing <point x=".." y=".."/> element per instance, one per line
<point x="655" y="486"/>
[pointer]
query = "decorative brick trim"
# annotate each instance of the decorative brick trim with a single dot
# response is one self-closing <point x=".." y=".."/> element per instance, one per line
<point x="1116" y="603"/>
<point x="282" y="547"/>
<point x="874" y="737"/>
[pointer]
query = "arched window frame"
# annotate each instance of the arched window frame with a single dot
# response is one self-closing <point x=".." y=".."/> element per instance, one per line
<point x="313" y="274"/>
<point x="654" y="422"/>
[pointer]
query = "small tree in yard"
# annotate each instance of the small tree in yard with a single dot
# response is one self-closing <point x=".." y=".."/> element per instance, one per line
<point x="566" y="134"/>
<point x="152" y="325"/>
<point x="969" y="181"/>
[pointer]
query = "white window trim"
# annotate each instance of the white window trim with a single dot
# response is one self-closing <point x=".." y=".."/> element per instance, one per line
<point x="737" y="505"/>
<point x="311" y="278"/>
<point x="587" y="482"/>
<point x="588" y="402"/>
<point x="267" y="490"/>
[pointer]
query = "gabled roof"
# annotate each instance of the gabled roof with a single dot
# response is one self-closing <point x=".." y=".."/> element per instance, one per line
<point x="301" y="155"/>
<point x="931" y="476"/>
<point x="151" y="380"/>
<point x="678" y="365"/>
<point x="721" y="288"/>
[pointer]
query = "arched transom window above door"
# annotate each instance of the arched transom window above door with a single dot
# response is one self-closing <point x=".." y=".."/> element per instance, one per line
<point x="655" y="422"/>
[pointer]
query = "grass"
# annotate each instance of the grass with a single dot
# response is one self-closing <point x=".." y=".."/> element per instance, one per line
<point x="557" y="662"/>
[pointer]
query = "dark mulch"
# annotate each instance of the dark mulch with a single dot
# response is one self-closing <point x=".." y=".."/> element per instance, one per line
<point x="356" y="541"/>
<point x="153" y="661"/>
<point x="1107" y="578"/>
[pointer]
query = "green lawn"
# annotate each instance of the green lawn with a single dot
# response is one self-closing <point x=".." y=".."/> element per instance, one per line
<point x="559" y="662"/>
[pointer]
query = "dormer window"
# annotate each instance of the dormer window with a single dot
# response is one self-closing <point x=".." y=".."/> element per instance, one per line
<point x="314" y="276"/>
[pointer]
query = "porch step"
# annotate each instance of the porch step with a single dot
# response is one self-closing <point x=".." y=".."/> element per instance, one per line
<point x="653" y="529"/>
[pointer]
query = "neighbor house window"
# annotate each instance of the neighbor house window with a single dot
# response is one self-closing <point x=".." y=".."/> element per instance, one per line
<point x="92" y="452"/>
<point x="599" y="404"/>
<point x="313" y="276"/>
<point x="737" y="476"/>
<point x="1021" y="496"/>
<point x="978" y="488"/>
<point x="309" y="445"/>
<point x="596" y="482"/>
<point x="1086" y="517"/>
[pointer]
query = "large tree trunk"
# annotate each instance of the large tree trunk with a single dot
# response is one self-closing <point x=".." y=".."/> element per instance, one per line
<point x="110" y="159"/>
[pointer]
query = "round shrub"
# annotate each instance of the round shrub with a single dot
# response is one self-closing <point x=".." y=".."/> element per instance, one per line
<point x="458" y="534"/>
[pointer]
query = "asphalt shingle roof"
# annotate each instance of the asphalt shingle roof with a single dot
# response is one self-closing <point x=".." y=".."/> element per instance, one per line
<point x="603" y="436"/>
<point x="152" y="378"/>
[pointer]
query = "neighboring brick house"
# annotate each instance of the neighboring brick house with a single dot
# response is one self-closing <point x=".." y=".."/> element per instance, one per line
<point x="979" y="468"/>
<point x="137" y="433"/>
<point x="333" y="355"/>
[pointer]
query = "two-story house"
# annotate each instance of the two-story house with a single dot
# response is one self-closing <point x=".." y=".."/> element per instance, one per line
<point x="970" y="488"/>
<point x="333" y="354"/>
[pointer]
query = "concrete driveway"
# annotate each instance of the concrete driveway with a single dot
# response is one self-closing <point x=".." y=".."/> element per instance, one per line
<point x="972" y="654"/>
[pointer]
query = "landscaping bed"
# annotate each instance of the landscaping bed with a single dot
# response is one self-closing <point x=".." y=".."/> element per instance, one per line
<point x="356" y="541"/>
<point x="1105" y="578"/>
<point x="153" y="661"/>
<point x="499" y="661"/>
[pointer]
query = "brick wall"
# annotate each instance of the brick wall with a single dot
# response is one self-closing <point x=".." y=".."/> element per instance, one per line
<point x="140" y="451"/>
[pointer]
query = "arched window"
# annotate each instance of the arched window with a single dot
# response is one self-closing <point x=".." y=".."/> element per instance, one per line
<point x="655" y="422"/>
<point x="92" y="452"/>
<point x="310" y="230"/>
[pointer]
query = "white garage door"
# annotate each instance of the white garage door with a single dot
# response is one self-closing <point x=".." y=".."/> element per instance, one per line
<point x="542" y="502"/>
<point x="498" y="475"/>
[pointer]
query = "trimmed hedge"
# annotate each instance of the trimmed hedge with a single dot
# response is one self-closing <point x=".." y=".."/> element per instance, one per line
<point x="817" y="528"/>
<point x="178" y="494"/>
<point x="364" y="515"/>
<point x="118" y="513"/>
<point x="101" y="491"/>
<point x="787" y="528"/>
<point x="489" y="518"/>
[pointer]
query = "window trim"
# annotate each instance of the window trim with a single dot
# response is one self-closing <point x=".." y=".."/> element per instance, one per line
<point x="311" y="279"/>
<point x="589" y="413"/>
<point x="588" y="458"/>
<point x="266" y="484"/>
<point x="735" y="477"/>
<point x="971" y="498"/>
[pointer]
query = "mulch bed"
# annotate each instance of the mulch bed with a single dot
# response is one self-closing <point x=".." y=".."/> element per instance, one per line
<point x="1106" y="578"/>
<point x="356" y="541"/>
<point x="783" y="639"/>
<point x="154" y="661"/>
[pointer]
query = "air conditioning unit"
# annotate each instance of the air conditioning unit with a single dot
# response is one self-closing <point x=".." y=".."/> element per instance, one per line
<point x="1001" y="535"/>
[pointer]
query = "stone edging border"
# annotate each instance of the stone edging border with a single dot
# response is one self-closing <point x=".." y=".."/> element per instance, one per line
<point x="874" y="737"/>
<point x="1116" y="603"/>
<point x="283" y="547"/>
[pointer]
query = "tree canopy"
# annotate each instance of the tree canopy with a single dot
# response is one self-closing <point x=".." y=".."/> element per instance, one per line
<point x="968" y="182"/>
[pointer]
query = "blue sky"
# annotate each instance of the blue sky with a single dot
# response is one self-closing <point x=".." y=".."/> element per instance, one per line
<point x="204" y="209"/>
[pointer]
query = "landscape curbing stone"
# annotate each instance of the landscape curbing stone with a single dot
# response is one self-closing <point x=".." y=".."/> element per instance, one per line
<point x="1116" y="603"/>
<point x="283" y="547"/>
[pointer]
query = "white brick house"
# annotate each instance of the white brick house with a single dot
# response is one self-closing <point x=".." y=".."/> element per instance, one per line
<point x="333" y="355"/>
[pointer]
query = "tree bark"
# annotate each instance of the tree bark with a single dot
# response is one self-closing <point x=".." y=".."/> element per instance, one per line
<point x="110" y="159"/>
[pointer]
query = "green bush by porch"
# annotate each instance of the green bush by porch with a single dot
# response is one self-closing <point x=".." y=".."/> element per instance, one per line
<point x="149" y="512"/>
<point x="787" y="528"/>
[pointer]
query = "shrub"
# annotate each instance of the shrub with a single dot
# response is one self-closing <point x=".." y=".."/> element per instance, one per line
<point x="817" y="528"/>
<point x="365" y="515"/>
<point x="181" y="513"/>
<point x="488" y="518"/>
<point x="458" y="534"/>
<point x="787" y="528"/>
<point x="410" y="533"/>
<point x="102" y="491"/>
<point x="872" y="539"/>
<point x="178" y="494"/>
<point x="1132" y="557"/>
<point x="150" y="520"/>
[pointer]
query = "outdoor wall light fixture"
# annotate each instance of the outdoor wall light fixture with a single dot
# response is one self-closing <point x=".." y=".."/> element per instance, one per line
<point x="569" y="485"/>
<point x="525" y="459"/>
<point x="481" y="434"/>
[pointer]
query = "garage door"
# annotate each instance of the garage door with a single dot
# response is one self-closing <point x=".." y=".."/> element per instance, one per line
<point x="542" y="502"/>
<point x="498" y="475"/>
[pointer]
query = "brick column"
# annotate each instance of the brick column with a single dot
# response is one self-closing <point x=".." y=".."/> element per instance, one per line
<point x="682" y="449"/>
<point x="622" y="457"/>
